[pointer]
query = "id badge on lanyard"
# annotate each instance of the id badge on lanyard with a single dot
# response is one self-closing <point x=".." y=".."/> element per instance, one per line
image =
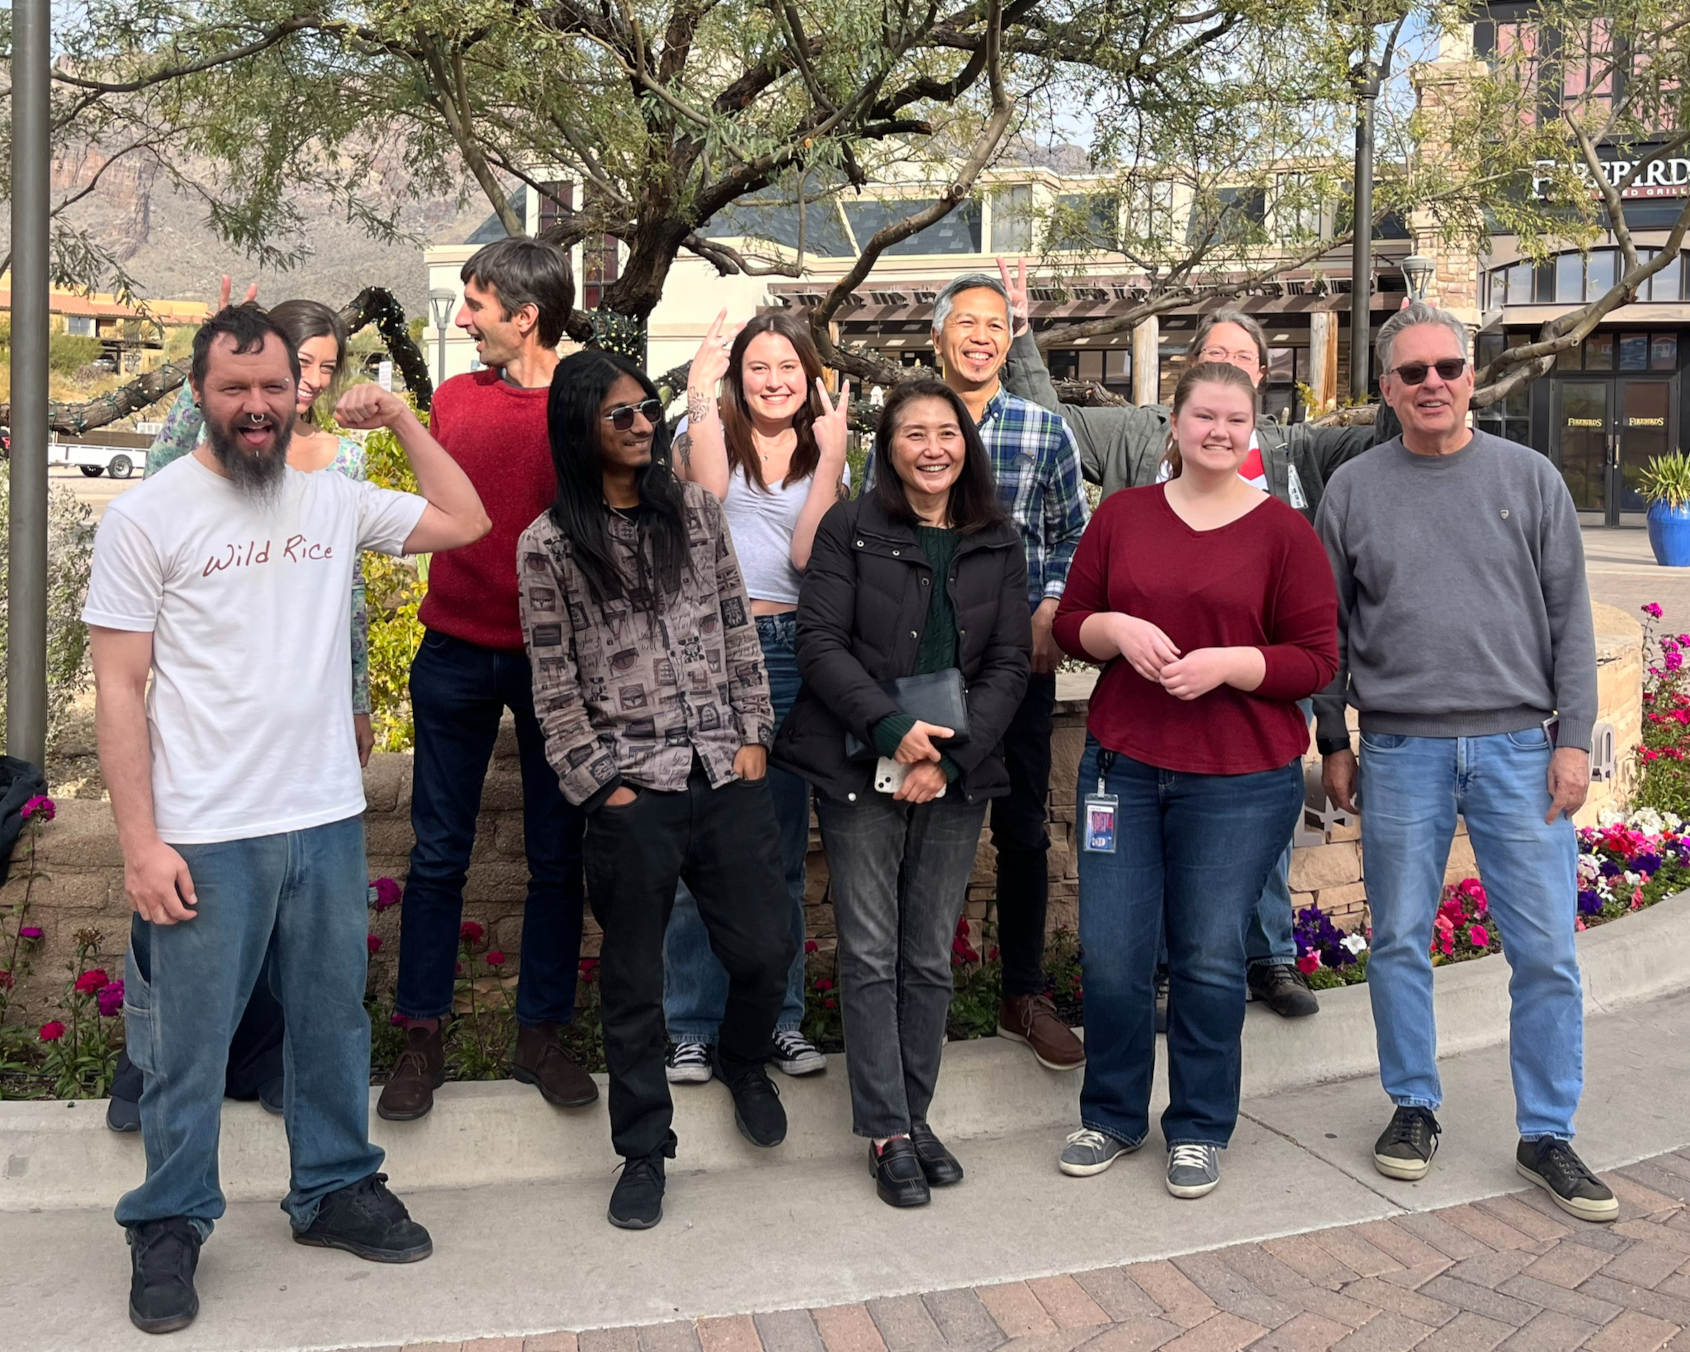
<point x="1099" y="820"/>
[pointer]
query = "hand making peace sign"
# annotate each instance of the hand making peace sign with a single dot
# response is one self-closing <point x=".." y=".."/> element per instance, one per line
<point x="833" y="427"/>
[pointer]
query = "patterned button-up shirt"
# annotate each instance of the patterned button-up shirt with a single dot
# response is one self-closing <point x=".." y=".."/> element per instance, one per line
<point x="1037" y="465"/>
<point x="628" y="692"/>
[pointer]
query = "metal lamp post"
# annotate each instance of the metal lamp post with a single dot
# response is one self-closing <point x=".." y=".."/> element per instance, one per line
<point x="1417" y="272"/>
<point x="440" y="304"/>
<point x="26" y="647"/>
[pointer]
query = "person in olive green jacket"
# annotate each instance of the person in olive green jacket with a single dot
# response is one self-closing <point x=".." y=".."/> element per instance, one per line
<point x="1123" y="447"/>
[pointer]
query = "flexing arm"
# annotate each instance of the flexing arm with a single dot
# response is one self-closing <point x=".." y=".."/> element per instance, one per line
<point x="454" y="516"/>
<point x="155" y="878"/>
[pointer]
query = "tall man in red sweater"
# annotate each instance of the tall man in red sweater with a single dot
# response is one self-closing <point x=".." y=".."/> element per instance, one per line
<point x="470" y="668"/>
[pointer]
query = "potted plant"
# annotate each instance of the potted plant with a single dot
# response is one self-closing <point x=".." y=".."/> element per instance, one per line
<point x="1665" y="483"/>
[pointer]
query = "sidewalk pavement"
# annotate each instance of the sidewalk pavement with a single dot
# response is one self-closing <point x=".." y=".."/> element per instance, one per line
<point x="517" y="1260"/>
<point x="1622" y="572"/>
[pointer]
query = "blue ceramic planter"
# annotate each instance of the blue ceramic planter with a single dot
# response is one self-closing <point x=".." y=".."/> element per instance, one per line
<point x="1669" y="534"/>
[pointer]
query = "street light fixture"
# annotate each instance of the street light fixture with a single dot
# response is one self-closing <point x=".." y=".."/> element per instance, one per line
<point x="1417" y="272"/>
<point x="440" y="303"/>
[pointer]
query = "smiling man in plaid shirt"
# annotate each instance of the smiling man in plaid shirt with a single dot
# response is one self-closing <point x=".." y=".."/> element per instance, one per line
<point x="1037" y="465"/>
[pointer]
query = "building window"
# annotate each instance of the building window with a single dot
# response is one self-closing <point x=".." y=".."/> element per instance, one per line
<point x="1512" y="417"/>
<point x="1012" y="219"/>
<point x="601" y="264"/>
<point x="555" y="200"/>
<point x="80" y="326"/>
<point x="957" y="233"/>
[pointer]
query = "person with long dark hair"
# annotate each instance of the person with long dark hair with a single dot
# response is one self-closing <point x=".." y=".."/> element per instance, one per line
<point x="772" y="449"/>
<point x="922" y="575"/>
<point x="1212" y="609"/>
<point x="650" y="691"/>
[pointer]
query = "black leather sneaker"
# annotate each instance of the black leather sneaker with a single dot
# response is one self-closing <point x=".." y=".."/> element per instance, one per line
<point x="1405" y="1148"/>
<point x="1283" y="989"/>
<point x="1553" y="1166"/>
<point x="757" y="1110"/>
<point x="163" y="1256"/>
<point x="636" y="1202"/>
<point x="366" y="1219"/>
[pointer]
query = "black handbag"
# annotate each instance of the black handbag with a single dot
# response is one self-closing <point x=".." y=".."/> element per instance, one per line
<point x="937" y="697"/>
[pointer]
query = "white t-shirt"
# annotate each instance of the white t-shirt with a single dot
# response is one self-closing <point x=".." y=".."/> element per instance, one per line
<point x="248" y="710"/>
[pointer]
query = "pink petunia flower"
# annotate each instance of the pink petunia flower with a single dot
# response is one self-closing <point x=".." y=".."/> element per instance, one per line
<point x="1479" y="936"/>
<point x="40" y="806"/>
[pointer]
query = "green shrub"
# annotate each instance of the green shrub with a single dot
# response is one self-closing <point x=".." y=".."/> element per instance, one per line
<point x="394" y="589"/>
<point x="68" y="354"/>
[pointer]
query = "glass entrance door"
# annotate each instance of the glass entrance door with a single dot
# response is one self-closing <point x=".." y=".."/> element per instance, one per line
<point x="1644" y="424"/>
<point x="1583" y="422"/>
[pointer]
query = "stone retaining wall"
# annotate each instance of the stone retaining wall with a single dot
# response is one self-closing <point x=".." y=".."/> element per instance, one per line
<point x="83" y="888"/>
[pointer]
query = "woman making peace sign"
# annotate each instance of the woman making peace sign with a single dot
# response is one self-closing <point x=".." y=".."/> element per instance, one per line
<point x="773" y="450"/>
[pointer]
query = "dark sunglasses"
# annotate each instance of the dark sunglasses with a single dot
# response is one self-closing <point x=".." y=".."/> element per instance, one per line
<point x="1414" y="372"/>
<point x="622" y="416"/>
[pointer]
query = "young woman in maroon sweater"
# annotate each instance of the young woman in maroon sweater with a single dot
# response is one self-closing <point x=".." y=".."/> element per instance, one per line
<point x="1212" y="607"/>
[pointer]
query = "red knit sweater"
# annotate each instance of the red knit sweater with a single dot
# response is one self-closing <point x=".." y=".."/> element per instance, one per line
<point x="1261" y="581"/>
<point x="497" y="432"/>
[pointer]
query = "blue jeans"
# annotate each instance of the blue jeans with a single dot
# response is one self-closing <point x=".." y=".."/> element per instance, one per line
<point x="1191" y="854"/>
<point x="696" y="985"/>
<point x="298" y="899"/>
<point x="459" y="691"/>
<point x="1411" y="790"/>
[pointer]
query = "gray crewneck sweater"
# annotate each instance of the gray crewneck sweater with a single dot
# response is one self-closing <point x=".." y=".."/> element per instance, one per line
<point x="1462" y="606"/>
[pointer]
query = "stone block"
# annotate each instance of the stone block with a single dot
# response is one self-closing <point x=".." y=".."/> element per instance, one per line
<point x="497" y="880"/>
<point x="1067" y="745"/>
<point x="1339" y="831"/>
<point x="505" y="831"/>
<point x="388" y="835"/>
<point x="65" y="890"/>
<point x="504" y="748"/>
<point x="1350" y="898"/>
<point x="387" y="782"/>
<point x="501" y="791"/>
<point x="1461" y="863"/>
<point x="1325" y="866"/>
<point x="82" y="835"/>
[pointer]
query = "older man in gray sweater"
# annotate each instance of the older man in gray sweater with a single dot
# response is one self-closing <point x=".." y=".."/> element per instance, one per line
<point x="1466" y="644"/>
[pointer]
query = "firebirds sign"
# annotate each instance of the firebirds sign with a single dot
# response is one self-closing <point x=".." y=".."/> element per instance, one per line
<point x="1664" y="177"/>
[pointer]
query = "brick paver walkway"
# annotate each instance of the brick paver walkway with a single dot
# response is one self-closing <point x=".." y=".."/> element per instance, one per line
<point x="1510" y="1272"/>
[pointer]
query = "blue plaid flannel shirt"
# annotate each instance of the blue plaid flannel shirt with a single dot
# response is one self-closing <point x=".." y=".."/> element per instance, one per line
<point x="1036" y="463"/>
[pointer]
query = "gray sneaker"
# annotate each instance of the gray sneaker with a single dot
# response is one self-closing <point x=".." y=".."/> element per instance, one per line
<point x="1088" y="1152"/>
<point x="1193" y="1170"/>
<point x="689" y="1063"/>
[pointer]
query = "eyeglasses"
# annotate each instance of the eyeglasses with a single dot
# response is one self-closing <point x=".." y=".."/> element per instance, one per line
<point x="1243" y="357"/>
<point x="1414" y="372"/>
<point x="622" y="416"/>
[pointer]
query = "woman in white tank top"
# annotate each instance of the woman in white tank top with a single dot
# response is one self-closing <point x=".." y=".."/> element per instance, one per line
<point x="772" y="448"/>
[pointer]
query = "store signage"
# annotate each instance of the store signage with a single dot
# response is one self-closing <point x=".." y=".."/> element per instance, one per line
<point x="1668" y="176"/>
<point x="1584" y="422"/>
<point x="1646" y="422"/>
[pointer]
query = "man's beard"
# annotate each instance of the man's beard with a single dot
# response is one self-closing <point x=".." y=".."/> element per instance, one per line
<point x="255" y="476"/>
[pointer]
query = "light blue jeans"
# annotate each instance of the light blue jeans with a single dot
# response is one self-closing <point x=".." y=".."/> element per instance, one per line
<point x="298" y="898"/>
<point x="1411" y="790"/>
<point x="695" y="987"/>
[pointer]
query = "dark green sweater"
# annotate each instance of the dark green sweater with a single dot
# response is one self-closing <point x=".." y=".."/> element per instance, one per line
<point x="937" y="650"/>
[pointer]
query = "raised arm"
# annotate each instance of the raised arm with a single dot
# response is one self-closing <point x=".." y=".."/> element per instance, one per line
<point x="827" y="484"/>
<point x="454" y="516"/>
<point x="701" y="452"/>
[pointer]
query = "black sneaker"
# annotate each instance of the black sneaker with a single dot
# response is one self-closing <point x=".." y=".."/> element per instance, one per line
<point x="1406" y="1147"/>
<point x="757" y="1111"/>
<point x="163" y="1256"/>
<point x="366" y="1219"/>
<point x="1553" y="1166"/>
<point x="1161" y="999"/>
<point x="636" y="1202"/>
<point x="1283" y="989"/>
<point x="123" y="1114"/>
<point x="270" y="1096"/>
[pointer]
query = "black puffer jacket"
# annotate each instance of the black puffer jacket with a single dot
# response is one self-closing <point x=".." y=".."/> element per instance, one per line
<point x="861" y="611"/>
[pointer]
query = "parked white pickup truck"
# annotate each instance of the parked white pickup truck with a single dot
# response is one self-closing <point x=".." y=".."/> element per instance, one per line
<point x="118" y="454"/>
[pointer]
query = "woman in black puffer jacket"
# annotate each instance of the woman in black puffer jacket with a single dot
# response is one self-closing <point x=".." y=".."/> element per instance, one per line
<point x="923" y="573"/>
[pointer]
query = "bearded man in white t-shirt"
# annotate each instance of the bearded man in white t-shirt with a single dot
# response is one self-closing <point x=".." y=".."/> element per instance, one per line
<point x="235" y="785"/>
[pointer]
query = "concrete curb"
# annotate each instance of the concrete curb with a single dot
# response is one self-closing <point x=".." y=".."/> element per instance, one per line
<point x="59" y="1154"/>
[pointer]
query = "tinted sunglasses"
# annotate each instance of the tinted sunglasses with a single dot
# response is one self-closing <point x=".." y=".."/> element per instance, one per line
<point x="1414" y="372"/>
<point x="622" y="416"/>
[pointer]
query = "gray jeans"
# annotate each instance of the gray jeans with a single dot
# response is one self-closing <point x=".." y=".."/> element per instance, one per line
<point x="899" y="875"/>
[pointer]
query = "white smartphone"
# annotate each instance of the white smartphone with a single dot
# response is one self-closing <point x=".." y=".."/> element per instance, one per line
<point x="889" y="776"/>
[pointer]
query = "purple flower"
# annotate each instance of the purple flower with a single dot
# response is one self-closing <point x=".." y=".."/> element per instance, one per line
<point x="384" y="892"/>
<point x="1589" y="902"/>
<point x="39" y="806"/>
<point x="1652" y="610"/>
<point x="110" y="1000"/>
<point x="30" y="932"/>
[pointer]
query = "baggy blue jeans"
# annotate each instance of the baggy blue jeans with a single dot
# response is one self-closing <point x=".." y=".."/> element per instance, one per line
<point x="298" y="899"/>
<point x="1192" y="852"/>
<point x="696" y="984"/>
<point x="1411" y="790"/>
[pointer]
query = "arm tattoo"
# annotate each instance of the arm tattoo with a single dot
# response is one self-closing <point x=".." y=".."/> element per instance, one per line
<point x="700" y="405"/>
<point x="683" y="448"/>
